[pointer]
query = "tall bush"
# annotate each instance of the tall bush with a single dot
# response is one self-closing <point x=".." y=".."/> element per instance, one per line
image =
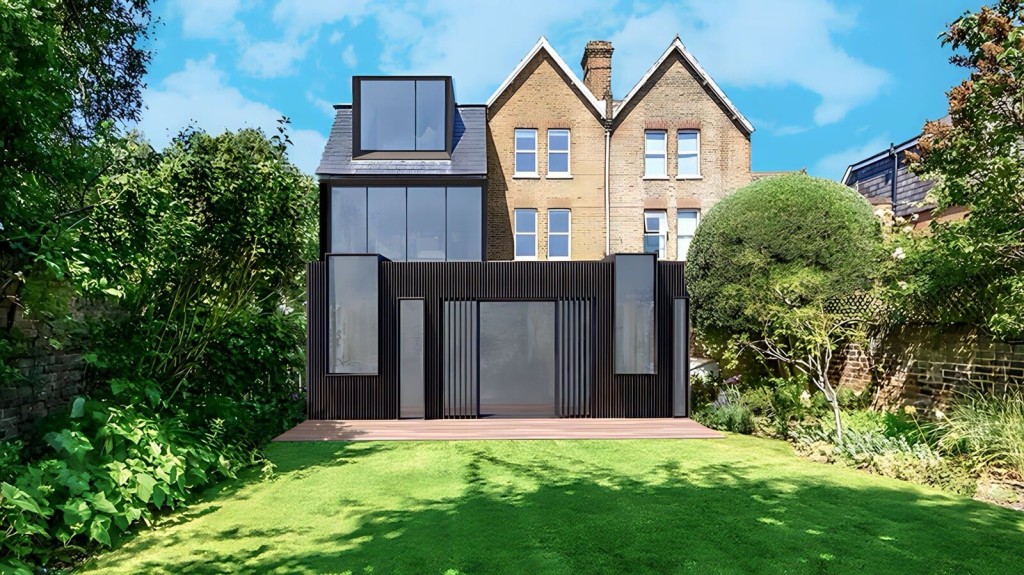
<point x="768" y="265"/>
<point x="207" y="241"/>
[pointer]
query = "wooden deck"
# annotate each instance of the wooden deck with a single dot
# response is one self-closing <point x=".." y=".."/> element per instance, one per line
<point x="494" y="428"/>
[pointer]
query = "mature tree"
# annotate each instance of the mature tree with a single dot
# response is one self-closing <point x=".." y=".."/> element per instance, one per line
<point x="206" y="241"/>
<point x="973" y="271"/>
<point x="770" y="263"/>
<point x="69" y="69"/>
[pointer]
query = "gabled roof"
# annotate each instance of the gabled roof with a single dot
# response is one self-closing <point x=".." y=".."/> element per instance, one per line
<point x="543" y="44"/>
<point x="677" y="46"/>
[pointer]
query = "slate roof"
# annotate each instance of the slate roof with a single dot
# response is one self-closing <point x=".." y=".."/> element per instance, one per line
<point x="469" y="153"/>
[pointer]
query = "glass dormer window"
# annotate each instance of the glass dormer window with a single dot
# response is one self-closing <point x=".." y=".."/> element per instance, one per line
<point x="402" y="115"/>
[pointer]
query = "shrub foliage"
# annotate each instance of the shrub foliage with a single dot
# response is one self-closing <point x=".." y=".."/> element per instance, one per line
<point x="802" y="238"/>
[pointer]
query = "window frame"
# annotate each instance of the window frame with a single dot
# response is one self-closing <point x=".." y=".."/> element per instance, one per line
<point x="663" y="155"/>
<point x="567" y="234"/>
<point x="567" y="174"/>
<point x="516" y="234"/>
<point x="662" y="235"/>
<point x="681" y="257"/>
<point x="679" y="155"/>
<point x="359" y="152"/>
<point x="516" y="151"/>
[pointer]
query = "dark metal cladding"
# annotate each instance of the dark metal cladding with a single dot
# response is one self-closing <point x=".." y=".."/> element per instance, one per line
<point x="585" y="384"/>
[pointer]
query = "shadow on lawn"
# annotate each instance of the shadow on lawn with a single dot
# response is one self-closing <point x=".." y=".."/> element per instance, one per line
<point x="579" y="518"/>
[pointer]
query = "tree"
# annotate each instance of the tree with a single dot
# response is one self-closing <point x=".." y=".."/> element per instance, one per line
<point x="206" y="241"/>
<point x="69" y="70"/>
<point x="768" y="265"/>
<point x="976" y="159"/>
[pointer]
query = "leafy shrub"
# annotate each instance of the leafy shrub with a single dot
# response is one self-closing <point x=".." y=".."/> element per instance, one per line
<point x="778" y="403"/>
<point x="109" y="469"/>
<point x="895" y="456"/>
<point x="987" y="427"/>
<point x="733" y="415"/>
<point x="704" y="390"/>
<point x="807" y="238"/>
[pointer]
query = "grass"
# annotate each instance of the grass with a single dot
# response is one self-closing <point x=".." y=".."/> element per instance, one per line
<point x="738" y="505"/>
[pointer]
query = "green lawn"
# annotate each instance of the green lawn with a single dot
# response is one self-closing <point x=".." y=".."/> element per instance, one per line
<point x="739" y="505"/>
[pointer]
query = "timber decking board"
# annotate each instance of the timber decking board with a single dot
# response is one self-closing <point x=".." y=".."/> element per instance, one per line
<point x="496" y="428"/>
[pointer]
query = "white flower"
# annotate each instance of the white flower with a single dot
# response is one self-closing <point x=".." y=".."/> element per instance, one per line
<point x="898" y="254"/>
<point x="903" y="284"/>
<point x="939" y="414"/>
<point x="805" y="398"/>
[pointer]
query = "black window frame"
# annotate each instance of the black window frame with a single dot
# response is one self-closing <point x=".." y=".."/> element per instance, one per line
<point x="358" y="152"/>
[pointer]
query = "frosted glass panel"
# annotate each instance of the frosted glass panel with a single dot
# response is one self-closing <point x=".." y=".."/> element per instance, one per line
<point x="410" y="357"/>
<point x="634" y="314"/>
<point x="353" y="337"/>
<point x="348" y="220"/>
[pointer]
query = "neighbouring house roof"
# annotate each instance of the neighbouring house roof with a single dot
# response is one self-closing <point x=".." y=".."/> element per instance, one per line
<point x="469" y="150"/>
<point x="896" y="148"/>
<point x="885" y="179"/>
<point x="543" y="44"/>
<point x="677" y="46"/>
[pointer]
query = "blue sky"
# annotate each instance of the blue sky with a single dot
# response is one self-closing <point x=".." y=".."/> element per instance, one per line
<point x="825" y="83"/>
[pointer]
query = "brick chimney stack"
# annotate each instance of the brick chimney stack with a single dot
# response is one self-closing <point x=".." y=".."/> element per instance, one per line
<point x="597" y="70"/>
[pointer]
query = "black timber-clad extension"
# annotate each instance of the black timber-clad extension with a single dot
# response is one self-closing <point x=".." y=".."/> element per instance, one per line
<point x="585" y="383"/>
<point x="405" y="319"/>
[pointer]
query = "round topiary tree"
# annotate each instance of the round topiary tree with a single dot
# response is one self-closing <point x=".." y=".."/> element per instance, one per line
<point x="766" y="261"/>
<point x="792" y="238"/>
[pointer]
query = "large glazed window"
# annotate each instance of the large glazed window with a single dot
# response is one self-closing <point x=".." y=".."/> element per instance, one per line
<point x="634" y="314"/>
<point x="353" y="337"/>
<point x="385" y="222"/>
<point x="465" y="224"/>
<point x="426" y="225"/>
<point x="402" y="115"/>
<point x="348" y="220"/>
<point x="408" y="224"/>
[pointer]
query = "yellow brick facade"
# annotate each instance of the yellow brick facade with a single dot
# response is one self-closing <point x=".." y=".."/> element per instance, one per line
<point x="673" y="99"/>
<point x="543" y="98"/>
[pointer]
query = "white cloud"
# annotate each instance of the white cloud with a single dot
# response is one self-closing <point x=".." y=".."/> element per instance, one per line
<point x="323" y="105"/>
<point x="305" y="16"/>
<point x="199" y="95"/>
<point x="439" y="37"/>
<point x="273" y="59"/>
<point x="834" y="165"/>
<point x="335" y="37"/>
<point x="751" y="43"/>
<point x="349" y="56"/>
<point x="209" y="19"/>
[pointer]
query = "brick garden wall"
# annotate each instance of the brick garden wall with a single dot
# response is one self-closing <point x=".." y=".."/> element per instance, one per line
<point x="925" y="367"/>
<point x="52" y="378"/>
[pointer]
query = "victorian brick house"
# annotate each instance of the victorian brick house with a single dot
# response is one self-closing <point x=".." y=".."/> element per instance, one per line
<point x="574" y="173"/>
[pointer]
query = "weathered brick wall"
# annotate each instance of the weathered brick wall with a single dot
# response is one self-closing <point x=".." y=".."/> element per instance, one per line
<point x="673" y="99"/>
<point x="926" y="367"/>
<point x="51" y="378"/>
<point x="542" y="97"/>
